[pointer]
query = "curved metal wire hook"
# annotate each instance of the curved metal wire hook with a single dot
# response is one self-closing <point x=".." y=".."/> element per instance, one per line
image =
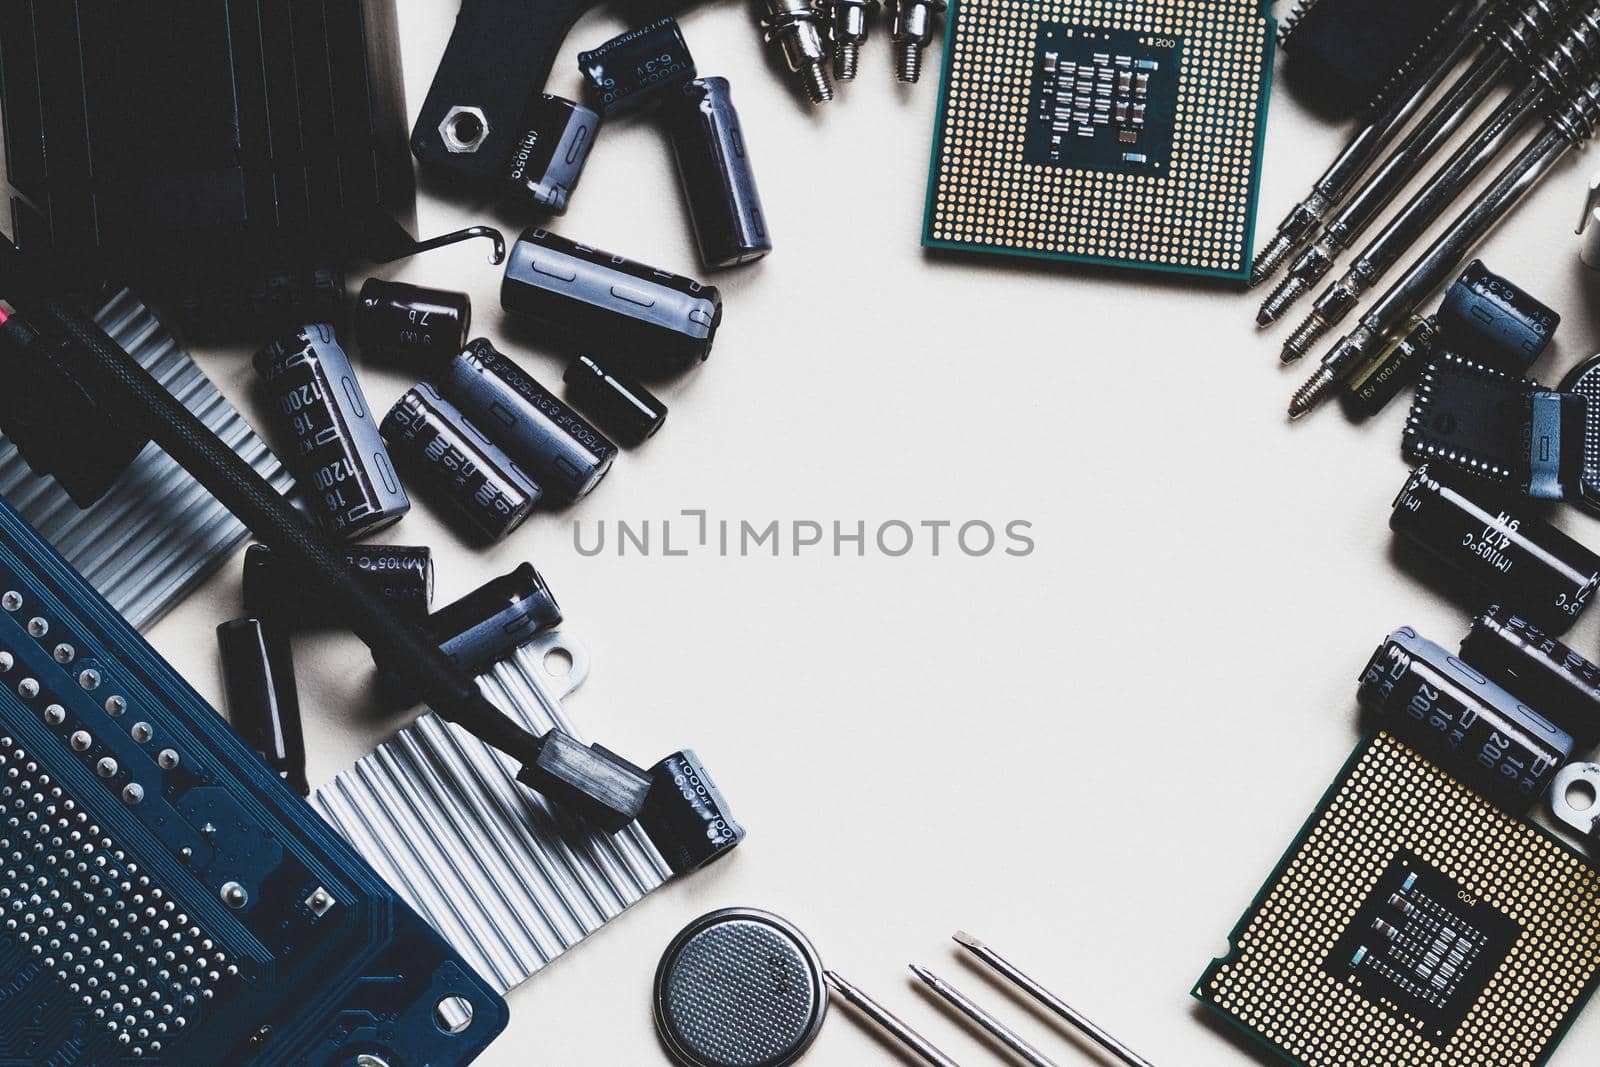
<point x="457" y="237"/>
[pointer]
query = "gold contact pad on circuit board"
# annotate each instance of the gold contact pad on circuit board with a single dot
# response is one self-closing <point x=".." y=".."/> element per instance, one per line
<point x="1196" y="216"/>
<point x="1273" y="983"/>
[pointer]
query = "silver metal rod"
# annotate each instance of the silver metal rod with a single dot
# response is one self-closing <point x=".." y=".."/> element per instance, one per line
<point x="891" y="1024"/>
<point x="1001" y="966"/>
<point x="1002" y="1033"/>
<point x="1423" y="210"/>
<point x="1455" y="39"/>
<point x="1371" y="196"/>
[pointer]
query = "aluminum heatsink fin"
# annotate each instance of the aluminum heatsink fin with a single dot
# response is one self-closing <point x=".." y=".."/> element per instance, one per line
<point x="508" y="881"/>
<point x="157" y="533"/>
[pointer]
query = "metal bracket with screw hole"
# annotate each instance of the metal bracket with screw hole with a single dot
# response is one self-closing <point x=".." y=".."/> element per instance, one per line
<point x="1585" y="820"/>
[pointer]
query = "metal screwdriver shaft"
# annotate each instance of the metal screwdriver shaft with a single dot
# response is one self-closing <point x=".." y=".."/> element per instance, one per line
<point x="1568" y="127"/>
<point x="1002" y="1033"/>
<point x="1452" y="42"/>
<point x="891" y="1024"/>
<point x="1001" y="966"/>
<point x="1569" y="55"/>
<point x="1511" y="37"/>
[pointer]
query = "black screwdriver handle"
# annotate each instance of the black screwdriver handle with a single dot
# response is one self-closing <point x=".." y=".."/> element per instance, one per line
<point x="136" y="399"/>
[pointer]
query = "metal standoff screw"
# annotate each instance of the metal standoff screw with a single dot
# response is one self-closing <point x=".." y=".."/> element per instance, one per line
<point x="912" y="29"/>
<point x="848" y="23"/>
<point x="794" y="27"/>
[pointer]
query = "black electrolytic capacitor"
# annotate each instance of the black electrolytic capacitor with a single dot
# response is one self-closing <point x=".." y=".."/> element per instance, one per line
<point x="645" y="321"/>
<point x="714" y="168"/>
<point x="1486" y="317"/>
<point x="638" y="69"/>
<point x="1517" y="559"/>
<point x="337" y="454"/>
<point x="398" y="319"/>
<point x="627" y="411"/>
<point x="549" y="159"/>
<point x="263" y="703"/>
<point x="495" y="619"/>
<point x="685" y="815"/>
<point x="556" y="445"/>
<point x="1541" y="671"/>
<point x="400" y="574"/>
<point x="447" y="453"/>
<point x="1394" y="367"/>
<point x="1458" y="718"/>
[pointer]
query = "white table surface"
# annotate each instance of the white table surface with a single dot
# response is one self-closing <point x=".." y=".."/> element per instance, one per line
<point x="1090" y="756"/>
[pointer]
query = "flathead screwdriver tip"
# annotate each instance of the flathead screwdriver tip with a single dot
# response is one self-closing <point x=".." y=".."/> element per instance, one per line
<point x="961" y="937"/>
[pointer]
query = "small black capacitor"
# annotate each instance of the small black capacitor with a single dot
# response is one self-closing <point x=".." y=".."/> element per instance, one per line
<point x="1516" y="558"/>
<point x="337" y="454"/>
<point x="645" y="321"/>
<point x="1458" y="718"/>
<point x="446" y="452"/>
<point x="638" y="69"/>
<point x="1541" y="671"/>
<point x="714" y="169"/>
<point x="556" y="445"/>
<point x="400" y="574"/>
<point x="1392" y="368"/>
<point x="1486" y="317"/>
<point x="685" y="815"/>
<point x="549" y="158"/>
<point x="627" y="411"/>
<point x="399" y="319"/>
<point x="263" y="703"/>
<point x="495" y="619"/>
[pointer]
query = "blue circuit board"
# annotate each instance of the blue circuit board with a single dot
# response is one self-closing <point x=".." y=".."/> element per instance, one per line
<point x="164" y="897"/>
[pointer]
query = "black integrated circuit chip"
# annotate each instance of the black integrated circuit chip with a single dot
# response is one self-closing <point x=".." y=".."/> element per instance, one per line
<point x="1422" y="947"/>
<point x="1104" y="99"/>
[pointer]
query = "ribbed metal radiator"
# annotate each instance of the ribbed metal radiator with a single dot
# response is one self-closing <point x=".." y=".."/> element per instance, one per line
<point x="157" y="534"/>
<point x="508" y="881"/>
